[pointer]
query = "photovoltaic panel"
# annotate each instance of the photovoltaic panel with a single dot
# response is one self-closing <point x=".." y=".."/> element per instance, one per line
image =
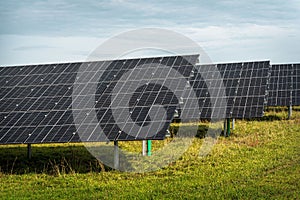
<point x="245" y="85"/>
<point x="205" y="82"/>
<point x="37" y="101"/>
<point x="283" y="87"/>
<point x="296" y="85"/>
<point x="280" y="85"/>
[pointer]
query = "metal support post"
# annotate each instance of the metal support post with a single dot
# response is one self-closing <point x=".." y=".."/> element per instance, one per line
<point x="225" y="127"/>
<point x="29" y="151"/>
<point x="144" y="148"/>
<point x="116" y="155"/>
<point x="290" y="110"/>
<point x="228" y="128"/>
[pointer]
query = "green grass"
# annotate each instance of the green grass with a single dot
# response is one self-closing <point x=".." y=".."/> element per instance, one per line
<point x="260" y="160"/>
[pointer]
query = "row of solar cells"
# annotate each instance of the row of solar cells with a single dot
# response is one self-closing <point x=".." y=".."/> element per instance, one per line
<point x="36" y="101"/>
<point x="35" y="98"/>
<point x="284" y="85"/>
<point x="245" y="86"/>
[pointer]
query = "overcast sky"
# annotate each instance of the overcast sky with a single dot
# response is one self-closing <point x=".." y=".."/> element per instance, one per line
<point x="229" y="30"/>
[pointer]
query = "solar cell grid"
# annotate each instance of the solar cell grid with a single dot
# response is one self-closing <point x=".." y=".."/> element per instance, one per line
<point x="38" y="88"/>
<point x="296" y="85"/>
<point x="245" y="85"/>
<point x="282" y="85"/>
<point x="36" y="100"/>
<point x="139" y="111"/>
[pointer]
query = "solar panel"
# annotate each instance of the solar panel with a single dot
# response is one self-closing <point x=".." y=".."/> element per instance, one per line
<point x="280" y="85"/>
<point x="245" y="85"/>
<point x="36" y="101"/>
<point x="296" y="85"/>
<point x="205" y="82"/>
<point x="50" y="103"/>
<point x="283" y="88"/>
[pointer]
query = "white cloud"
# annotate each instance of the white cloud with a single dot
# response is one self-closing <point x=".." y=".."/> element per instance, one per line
<point x="61" y="30"/>
<point x="247" y="42"/>
<point x="222" y="44"/>
<point x="16" y="49"/>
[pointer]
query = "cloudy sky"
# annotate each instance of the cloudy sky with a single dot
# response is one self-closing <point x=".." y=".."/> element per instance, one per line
<point x="229" y="30"/>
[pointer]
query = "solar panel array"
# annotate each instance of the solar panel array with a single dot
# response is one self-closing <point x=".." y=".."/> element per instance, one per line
<point x="245" y="85"/>
<point x="55" y="102"/>
<point x="284" y="86"/>
<point x="36" y="100"/>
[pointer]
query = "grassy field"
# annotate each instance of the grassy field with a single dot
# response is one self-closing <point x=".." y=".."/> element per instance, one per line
<point x="260" y="160"/>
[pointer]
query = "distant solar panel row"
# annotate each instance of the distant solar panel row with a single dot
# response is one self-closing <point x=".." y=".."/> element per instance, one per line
<point x="284" y="85"/>
<point x="36" y="102"/>
<point x="245" y="85"/>
<point x="296" y="85"/>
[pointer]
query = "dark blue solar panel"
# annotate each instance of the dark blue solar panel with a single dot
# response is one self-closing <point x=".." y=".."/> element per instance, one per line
<point x="283" y="89"/>
<point x="36" y="101"/>
<point x="245" y="85"/>
<point x="296" y="85"/>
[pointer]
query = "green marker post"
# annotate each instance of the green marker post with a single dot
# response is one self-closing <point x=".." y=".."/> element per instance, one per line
<point x="149" y="143"/>
<point x="228" y="128"/>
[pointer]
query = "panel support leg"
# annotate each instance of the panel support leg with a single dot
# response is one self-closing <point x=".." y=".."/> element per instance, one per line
<point x="233" y="122"/>
<point x="116" y="155"/>
<point x="144" y="147"/>
<point x="227" y="128"/>
<point x="290" y="110"/>
<point x="29" y="151"/>
<point x="149" y="147"/>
